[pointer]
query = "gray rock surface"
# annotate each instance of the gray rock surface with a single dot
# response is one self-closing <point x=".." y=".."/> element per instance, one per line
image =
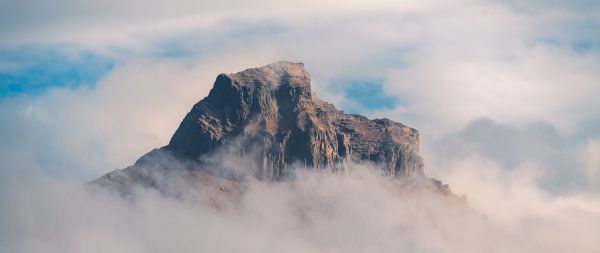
<point x="269" y="116"/>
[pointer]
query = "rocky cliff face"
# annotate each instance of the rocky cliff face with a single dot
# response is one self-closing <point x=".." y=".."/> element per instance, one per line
<point x="270" y="115"/>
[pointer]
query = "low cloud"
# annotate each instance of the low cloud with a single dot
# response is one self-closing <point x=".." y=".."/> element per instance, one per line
<point x="356" y="211"/>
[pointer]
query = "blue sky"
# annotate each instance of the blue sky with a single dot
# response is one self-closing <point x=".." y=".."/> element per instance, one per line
<point x="364" y="95"/>
<point x="33" y="70"/>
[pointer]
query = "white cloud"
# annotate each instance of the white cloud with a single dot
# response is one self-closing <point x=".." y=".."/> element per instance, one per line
<point x="354" y="212"/>
<point x="535" y="84"/>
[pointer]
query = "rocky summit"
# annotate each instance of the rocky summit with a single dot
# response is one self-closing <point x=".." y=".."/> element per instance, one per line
<point x="265" y="122"/>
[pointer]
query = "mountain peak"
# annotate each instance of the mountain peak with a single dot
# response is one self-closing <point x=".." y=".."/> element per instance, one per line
<point x="267" y="116"/>
<point x="274" y="74"/>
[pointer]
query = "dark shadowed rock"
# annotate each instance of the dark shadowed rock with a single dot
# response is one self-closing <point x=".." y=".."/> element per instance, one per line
<point x="268" y="121"/>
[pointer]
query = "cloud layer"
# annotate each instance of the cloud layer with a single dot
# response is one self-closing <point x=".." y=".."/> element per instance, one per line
<point x="354" y="212"/>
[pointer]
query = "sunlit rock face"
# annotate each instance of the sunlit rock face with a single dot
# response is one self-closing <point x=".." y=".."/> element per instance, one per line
<point x="269" y="123"/>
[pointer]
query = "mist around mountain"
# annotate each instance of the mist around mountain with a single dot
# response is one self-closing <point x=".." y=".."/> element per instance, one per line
<point x="319" y="211"/>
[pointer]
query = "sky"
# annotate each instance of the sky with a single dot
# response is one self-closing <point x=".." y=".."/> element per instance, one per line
<point x="503" y="93"/>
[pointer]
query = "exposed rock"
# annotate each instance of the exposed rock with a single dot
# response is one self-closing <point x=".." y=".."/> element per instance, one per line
<point x="269" y="114"/>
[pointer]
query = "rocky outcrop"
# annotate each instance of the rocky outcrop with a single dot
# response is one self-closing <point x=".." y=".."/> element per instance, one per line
<point x="269" y="116"/>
